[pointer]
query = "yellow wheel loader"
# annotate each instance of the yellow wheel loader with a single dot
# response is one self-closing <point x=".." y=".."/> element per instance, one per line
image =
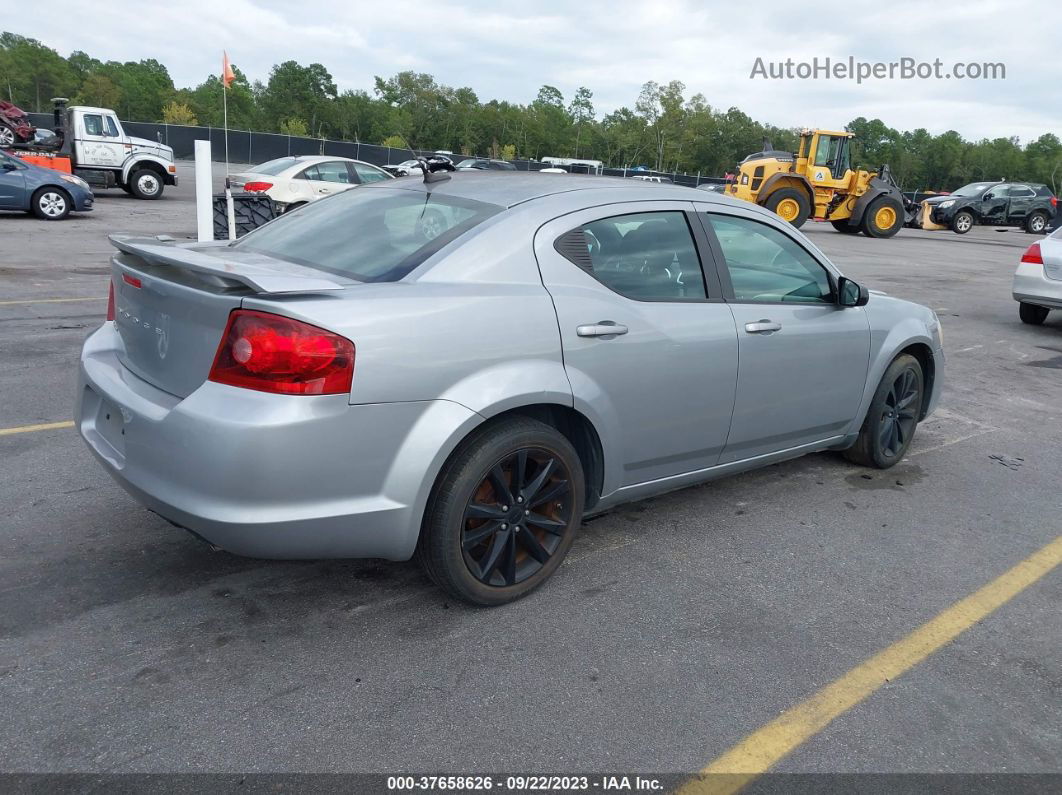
<point x="819" y="182"/>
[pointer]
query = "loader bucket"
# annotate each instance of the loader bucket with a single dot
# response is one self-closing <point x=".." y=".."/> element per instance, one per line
<point x="925" y="218"/>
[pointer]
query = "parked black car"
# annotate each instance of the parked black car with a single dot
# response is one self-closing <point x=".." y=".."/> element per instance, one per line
<point x="482" y="164"/>
<point x="996" y="203"/>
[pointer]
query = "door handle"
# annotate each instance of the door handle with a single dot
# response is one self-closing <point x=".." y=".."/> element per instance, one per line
<point x="322" y="190"/>
<point x="763" y="326"/>
<point x="605" y="329"/>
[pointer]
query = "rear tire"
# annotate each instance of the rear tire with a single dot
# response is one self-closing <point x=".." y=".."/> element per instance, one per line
<point x="145" y="184"/>
<point x="883" y="217"/>
<point x="295" y="206"/>
<point x="51" y="204"/>
<point x="845" y="228"/>
<point x="7" y="135"/>
<point x="892" y="417"/>
<point x="1032" y="314"/>
<point x="962" y="223"/>
<point x="1036" y="223"/>
<point x="485" y="539"/>
<point x="790" y="205"/>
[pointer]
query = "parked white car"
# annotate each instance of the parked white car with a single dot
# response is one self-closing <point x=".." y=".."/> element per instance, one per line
<point x="1038" y="279"/>
<point x="294" y="181"/>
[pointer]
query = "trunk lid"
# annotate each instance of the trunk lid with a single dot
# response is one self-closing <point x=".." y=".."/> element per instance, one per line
<point x="172" y="303"/>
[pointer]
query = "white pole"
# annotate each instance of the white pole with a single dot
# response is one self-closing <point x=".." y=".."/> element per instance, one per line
<point x="204" y="190"/>
<point x="230" y="211"/>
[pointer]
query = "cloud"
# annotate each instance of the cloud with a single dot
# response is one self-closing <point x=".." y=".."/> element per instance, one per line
<point x="506" y="50"/>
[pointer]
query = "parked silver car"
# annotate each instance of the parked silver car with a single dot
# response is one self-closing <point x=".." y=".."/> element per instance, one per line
<point x="343" y="382"/>
<point x="1038" y="279"/>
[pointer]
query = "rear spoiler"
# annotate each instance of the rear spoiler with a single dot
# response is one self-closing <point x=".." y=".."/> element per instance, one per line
<point x="256" y="271"/>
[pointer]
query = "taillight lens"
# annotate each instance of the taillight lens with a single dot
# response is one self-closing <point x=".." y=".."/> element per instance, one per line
<point x="257" y="187"/>
<point x="110" y="300"/>
<point x="272" y="353"/>
<point x="1032" y="255"/>
<point x="1054" y="201"/>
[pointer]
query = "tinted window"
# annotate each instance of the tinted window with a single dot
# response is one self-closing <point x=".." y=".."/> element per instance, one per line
<point x="973" y="189"/>
<point x="93" y="125"/>
<point x="767" y="265"/>
<point x="369" y="235"/>
<point x="1020" y="192"/>
<point x="367" y="173"/>
<point x="645" y="256"/>
<point x="111" y="127"/>
<point x="501" y="165"/>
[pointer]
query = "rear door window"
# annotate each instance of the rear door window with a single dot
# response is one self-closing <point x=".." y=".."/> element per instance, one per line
<point x="644" y="256"/>
<point x="334" y="171"/>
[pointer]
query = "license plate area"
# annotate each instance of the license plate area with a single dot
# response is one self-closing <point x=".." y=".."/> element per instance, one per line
<point x="103" y="425"/>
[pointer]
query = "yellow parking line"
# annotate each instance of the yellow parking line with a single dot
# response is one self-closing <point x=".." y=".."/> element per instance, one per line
<point x="46" y="426"/>
<point x="767" y="746"/>
<point x="52" y="300"/>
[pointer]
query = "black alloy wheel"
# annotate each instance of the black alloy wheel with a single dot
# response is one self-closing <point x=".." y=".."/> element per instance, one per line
<point x="503" y="512"/>
<point x="898" y="420"/>
<point x="516" y="518"/>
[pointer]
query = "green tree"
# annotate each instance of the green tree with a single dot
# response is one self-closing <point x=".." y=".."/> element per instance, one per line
<point x="294" y="126"/>
<point x="178" y="113"/>
<point x="100" y="91"/>
<point x="295" y="91"/>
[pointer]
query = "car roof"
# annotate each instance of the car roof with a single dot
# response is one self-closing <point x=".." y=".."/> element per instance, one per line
<point x="508" y="189"/>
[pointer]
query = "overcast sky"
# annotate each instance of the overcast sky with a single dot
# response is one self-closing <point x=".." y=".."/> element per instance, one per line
<point x="506" y="50"/>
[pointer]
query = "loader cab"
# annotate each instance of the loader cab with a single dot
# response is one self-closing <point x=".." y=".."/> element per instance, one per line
<point x="828" y="156"/>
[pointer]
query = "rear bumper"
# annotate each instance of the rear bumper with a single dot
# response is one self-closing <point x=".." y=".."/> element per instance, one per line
<point x="264" y="475"/>
<point x="1031" y="286"/>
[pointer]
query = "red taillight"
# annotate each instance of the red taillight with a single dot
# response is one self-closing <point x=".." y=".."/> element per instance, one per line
<point x="110" y="300"/>
<point x="257" y="187"/>
<point x="1054" y="201"/>
<point x="131" y="280"/>
<point x="1032" y="255"/>
<point x="272" y="353"/>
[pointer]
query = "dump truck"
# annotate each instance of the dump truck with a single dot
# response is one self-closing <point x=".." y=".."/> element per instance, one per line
<point x="818" y="182"/>
<point x="91" y="143"/>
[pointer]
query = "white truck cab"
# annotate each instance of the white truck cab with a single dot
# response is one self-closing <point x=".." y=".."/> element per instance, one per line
<point x="105" y="157"/>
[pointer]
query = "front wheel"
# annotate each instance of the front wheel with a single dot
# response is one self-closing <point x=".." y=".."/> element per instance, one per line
<point x="51" y="204"/>
<point x="892" y="417"/>
<point x="883" y="217"/>
<point x="145" y="184"/>
<point x="7" y="135"/>
<point x="962" y="222"/>
<point x="503" y="513"/>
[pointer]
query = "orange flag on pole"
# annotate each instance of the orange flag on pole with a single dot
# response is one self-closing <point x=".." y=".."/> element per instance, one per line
<point x="227" y="75"/>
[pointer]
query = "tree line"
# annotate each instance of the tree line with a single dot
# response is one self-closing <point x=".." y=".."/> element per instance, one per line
<point x="664" y="129"/>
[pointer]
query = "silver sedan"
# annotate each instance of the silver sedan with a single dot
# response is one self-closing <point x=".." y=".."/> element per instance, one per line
<point x="1038" y="279"/>
<point x="352" y="381"/>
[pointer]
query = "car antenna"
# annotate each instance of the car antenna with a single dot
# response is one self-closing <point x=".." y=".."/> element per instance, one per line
<point x="434" y="169"/>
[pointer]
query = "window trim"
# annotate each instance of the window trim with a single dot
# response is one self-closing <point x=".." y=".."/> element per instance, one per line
<point x="709" y="278"/>
<point x="723" y="272"/>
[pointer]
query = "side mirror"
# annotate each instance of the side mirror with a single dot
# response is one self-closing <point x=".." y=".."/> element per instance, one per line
<point x="851" y="294"/>
<point x="9" y="166"/>
<point x="987" y="196"/>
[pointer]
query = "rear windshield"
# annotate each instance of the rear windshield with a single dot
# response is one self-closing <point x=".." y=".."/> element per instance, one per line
<point x="368" y="234"/>
<point x="274" y="167"/>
